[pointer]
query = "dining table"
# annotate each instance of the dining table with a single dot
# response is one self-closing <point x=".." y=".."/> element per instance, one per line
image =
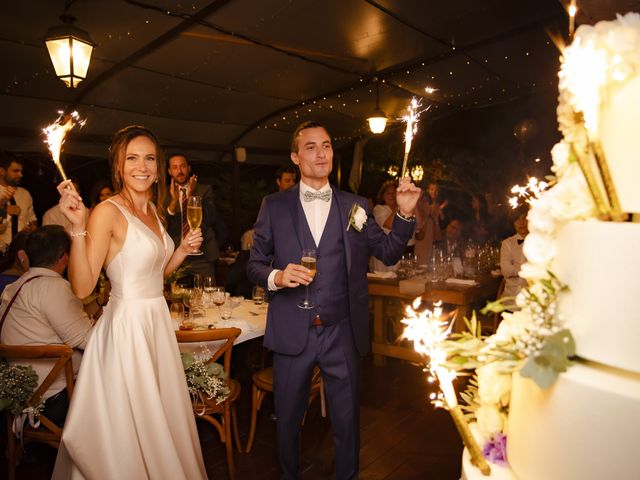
<point x="460" y="294"/>
<point x="247" y="316"/>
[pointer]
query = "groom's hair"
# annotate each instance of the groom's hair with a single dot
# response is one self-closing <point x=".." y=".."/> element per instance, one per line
<point x="46" y="245"/>
<point x="304" y="126"/>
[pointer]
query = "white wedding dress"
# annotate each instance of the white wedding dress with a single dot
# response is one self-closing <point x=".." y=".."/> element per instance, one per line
<point x="130" y="415"/>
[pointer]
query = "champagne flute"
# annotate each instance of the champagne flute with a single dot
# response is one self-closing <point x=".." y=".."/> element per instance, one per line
<point x="218" y="297"/>
<point x="308" y="260"/>
<point x="194" y="216"/>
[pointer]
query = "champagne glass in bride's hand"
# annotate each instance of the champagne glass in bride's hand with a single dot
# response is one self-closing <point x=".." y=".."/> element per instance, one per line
<point x="194" y="216"/>
<point x="218" y="297"/>
<point x="309" y="261"/>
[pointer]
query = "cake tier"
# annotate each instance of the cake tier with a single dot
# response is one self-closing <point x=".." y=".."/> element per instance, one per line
<point x="583" y="427"/>
<point x="600" y="262"/>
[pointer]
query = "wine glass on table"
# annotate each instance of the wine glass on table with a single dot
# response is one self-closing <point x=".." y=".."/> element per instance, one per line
<point x="194" y="216"/>
<point x="218" y="297"/>
<point x="308" y="260"/>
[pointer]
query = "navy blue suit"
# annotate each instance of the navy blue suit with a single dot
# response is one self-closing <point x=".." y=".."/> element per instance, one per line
<point x="339" y="293"/>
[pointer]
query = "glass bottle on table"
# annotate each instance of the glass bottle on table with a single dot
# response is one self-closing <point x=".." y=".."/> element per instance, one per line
<point x="308" y="260"/>
<point x="194" y="216"/>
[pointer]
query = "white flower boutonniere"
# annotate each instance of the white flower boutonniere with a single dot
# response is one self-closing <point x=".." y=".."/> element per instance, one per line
<point x="357" y="218"/>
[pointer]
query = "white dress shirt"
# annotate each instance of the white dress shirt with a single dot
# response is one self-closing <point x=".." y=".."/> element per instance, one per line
<point x="511" y="259"/>
<point x="27" y="215"/>
<point x="316" y="212"/>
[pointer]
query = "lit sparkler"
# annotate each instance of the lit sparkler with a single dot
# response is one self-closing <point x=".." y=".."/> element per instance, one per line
<point x="528" y="193"/>
<point x="411" y="119"/>
<point x="573" y="9"/>
<point x="56" y="133"/>
<point x="427" y="330"/>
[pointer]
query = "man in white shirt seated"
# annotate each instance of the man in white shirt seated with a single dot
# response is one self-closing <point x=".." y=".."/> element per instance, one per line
<point x="512" y="257"/>
<point x="46" y="312"/>
<point x="54" y="216"/>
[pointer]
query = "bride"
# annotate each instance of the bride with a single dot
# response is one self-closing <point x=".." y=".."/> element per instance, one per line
<point x="130" y="415"/>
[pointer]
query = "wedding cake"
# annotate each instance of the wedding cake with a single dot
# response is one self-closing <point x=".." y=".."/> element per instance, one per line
<point x="582" y="425"/>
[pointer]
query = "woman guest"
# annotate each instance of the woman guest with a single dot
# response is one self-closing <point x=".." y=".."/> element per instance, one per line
<point x="130" y="415"/>
<point x="100" y="191"/>
<point x="430" y="213"/>
<point x="512" y="257"/>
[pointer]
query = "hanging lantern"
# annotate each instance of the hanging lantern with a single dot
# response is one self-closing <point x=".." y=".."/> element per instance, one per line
<point x="70" y="50"/>
<point x="378" y="120"/>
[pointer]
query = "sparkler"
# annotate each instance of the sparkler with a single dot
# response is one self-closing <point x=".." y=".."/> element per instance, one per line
<point x="411" y="119"/>
<point x="56" y="133"/>
<point x="427" y="329"/>
<point x="529" y="192"/>
<point x="573" y="9"/>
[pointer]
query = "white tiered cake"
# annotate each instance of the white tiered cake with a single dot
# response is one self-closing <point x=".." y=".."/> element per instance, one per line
<point x="584" y="425"/>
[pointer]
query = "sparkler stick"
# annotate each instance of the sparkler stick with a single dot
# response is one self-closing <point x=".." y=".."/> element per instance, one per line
<point x="572" y="17"/>
<point x="607" y="181"/>
<point x="594" y="189"/>
<point x="56" y="133"/>
<point x="411" y="119"/>
<point x="427" y="329"/>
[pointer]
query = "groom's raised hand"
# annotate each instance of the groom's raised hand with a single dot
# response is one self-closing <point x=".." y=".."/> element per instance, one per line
<point x="407" y="196"/>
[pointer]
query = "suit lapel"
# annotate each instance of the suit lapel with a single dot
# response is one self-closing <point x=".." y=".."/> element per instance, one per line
<point x="297" y="214"/>
<point x="343" y="210"/>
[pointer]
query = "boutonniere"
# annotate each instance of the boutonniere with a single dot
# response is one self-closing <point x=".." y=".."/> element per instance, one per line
<point x="357" y="218"/>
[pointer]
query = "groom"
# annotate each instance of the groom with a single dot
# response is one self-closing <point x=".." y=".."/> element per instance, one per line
<point x="334" y="334"/>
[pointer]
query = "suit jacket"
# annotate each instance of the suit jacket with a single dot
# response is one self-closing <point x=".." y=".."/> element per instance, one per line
<point x="277" y="241"/>
<point x="213" y="230"/>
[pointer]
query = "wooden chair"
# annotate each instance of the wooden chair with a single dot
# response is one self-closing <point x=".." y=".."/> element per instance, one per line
<point x="208" y="410"/>
<point x="48" y="432"/>
<point x="263" y="384"/>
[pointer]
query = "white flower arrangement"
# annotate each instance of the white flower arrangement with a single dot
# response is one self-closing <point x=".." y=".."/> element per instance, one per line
<point x="357" y="218"/>
<point x="205" y="380"/>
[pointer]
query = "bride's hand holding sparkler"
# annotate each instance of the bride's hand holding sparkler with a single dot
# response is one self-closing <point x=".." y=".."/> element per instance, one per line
<point x="71" y="205"/>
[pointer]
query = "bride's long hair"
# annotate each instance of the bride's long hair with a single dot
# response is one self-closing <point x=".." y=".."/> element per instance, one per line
<point x="158" y="190"/>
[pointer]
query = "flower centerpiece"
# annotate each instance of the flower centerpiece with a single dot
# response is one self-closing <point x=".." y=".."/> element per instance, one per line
<point x="204" y="380"/>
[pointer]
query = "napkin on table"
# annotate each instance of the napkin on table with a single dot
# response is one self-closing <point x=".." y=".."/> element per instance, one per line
<point x="383" y="275"/>
<point x="467" y="282"/>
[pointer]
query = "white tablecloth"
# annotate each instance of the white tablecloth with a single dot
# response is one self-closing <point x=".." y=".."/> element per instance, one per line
<point x="247" y="316"/>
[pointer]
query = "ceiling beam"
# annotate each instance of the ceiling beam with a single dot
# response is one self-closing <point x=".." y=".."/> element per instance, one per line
<point x="89" y="86"/>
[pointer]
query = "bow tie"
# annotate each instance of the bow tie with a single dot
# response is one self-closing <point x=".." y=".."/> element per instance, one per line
<point x="309" y="196"/>
<point x="520" y="240"/>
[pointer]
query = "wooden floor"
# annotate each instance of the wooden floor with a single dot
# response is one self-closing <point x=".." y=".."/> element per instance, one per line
<point x="402" y="436"/>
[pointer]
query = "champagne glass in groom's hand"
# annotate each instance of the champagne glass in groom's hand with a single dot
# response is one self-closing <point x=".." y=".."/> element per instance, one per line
<point x="308" y="261"/>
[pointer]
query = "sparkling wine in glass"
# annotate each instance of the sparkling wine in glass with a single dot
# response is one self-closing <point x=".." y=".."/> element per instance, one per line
<point x="308" y="260"/>
<point x="194" y="216"/>
<point x="218" y="297"/>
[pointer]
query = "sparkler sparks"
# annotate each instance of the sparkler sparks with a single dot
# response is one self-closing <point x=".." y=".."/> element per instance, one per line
<point x="56" y="133"/>
<point x="527" y="193"/>
<point x="411" y="119"/>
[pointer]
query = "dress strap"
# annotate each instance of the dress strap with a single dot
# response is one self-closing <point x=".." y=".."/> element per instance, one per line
<point x="127" y="214"/>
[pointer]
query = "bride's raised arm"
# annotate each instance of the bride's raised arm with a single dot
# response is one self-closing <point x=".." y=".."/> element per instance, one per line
<point x="89" y="242"/>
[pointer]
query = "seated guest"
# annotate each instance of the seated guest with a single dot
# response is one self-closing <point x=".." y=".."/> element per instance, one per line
<point x="384" y="212"/>
<point x="54" y="216"/>
<point x="479" y="228"/>
<point x="46" y="312"/>
<point x="452" y="243"/>
<point x="15" y="261"/>
<point x="512" y="257"/>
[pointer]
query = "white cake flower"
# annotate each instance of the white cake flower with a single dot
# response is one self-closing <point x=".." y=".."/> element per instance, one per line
<point x="539" y="248"/>
<point x="494" y="387"/>
<point x="490" y="420"/>
<point x="513" y="325"/>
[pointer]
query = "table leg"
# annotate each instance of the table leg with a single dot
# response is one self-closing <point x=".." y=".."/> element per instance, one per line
<point x="379" y="328"/>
